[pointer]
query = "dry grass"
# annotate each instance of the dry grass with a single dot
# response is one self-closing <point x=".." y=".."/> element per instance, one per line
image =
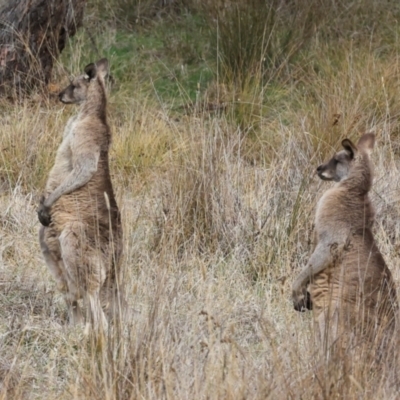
<point x="217" y="221"/>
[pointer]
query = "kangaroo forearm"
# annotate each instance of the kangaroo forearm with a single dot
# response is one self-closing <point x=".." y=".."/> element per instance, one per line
<point x="68" y="186"/>
<point x="78" y="177"/>
<point x="319" y="260"/>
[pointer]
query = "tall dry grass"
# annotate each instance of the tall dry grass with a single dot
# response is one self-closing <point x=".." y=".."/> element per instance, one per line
<point x="217" y="221"/>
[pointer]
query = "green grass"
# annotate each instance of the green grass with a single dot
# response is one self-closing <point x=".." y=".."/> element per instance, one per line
<point x="168" y="60"/>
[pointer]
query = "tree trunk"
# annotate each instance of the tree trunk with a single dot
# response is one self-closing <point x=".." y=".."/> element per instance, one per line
<point x="32" y="35"/>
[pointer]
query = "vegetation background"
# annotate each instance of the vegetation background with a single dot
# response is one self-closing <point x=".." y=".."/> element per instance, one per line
<point x="221" y="110"/>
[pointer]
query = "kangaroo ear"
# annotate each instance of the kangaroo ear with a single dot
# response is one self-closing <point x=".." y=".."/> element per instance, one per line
<point x="367" y="142"/>
<point x="349" y="147"/>
<point x="102" y="67"/>
<point x="91" y="71"/>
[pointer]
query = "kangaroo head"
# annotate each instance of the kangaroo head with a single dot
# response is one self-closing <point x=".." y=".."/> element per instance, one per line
<point x="76" y="92"/>
<point x="339" y="166"/>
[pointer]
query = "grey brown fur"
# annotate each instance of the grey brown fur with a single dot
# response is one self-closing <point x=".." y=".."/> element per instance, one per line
<point x="81" y="236"/>
<point x="351" y="288"/>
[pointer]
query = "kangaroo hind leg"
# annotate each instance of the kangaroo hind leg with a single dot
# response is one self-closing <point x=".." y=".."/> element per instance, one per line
<point x="51" y="250"/>
<point x="73" y="246"/>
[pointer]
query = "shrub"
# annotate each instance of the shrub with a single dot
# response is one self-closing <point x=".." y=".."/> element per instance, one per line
<point x="255" y="39"/>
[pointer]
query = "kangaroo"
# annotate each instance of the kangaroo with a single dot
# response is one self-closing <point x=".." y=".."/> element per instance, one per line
<point x="81" y="236"/>
<point x="350" y="288"/>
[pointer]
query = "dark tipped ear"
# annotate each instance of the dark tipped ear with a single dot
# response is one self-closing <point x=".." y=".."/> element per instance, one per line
<point x="367" y="142"/>
<point x="91" y="71"/>
<point x="349" y="147"/>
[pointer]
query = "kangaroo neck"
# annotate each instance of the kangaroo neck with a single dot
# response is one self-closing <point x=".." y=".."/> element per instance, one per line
<point x="96" y="101"/>
<point x="359" y="180"/>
